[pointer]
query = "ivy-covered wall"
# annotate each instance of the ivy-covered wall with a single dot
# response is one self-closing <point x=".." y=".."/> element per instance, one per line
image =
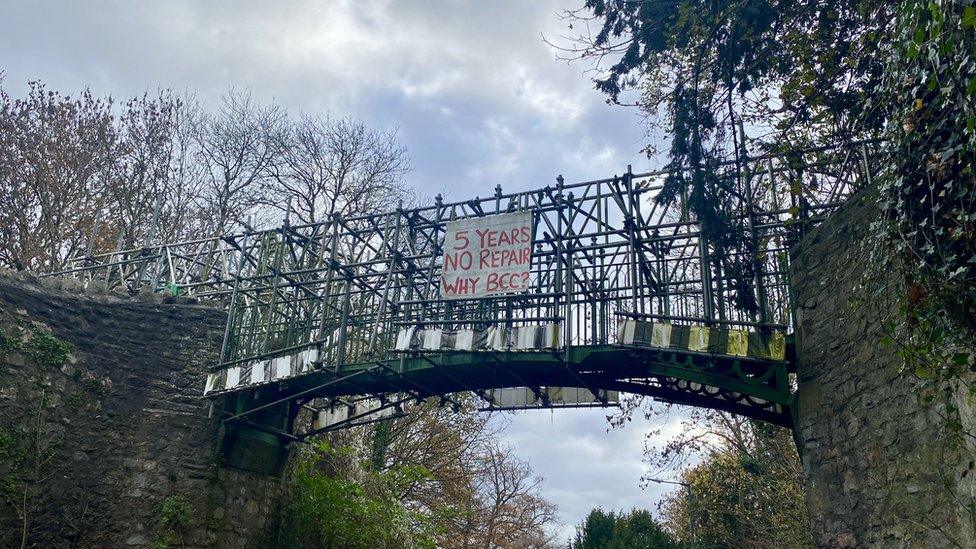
<point x="888" y="456"/>
<point x="104" y="439"/>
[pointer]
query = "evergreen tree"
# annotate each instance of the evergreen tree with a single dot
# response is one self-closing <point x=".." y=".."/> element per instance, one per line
<point x="610" y="530"/>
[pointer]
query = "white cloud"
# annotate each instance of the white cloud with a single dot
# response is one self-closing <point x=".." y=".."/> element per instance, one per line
<point x="561" y="110"/>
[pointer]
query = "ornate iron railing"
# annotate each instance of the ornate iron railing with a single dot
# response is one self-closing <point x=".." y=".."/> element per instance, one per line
<point x="603" y="250"/>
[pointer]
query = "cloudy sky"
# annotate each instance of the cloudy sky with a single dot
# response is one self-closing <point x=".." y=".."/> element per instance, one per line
<point x="477" y="96"/>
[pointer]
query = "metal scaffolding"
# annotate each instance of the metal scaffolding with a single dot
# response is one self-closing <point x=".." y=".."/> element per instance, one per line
<point x="604" y="252"/>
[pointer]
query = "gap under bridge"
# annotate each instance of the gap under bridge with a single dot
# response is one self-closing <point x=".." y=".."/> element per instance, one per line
<point x="344" y="322"/>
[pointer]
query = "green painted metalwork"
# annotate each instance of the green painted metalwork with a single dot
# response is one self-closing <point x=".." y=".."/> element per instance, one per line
<point x="755" y="388"/>
<point x="603" y="252"/>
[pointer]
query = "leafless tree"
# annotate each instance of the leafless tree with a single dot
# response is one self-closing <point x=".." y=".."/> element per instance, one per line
<point x="140" y="187"/>
<point x="186" y="216"/>
<point x="511" y="512"/>
<point x="237" y="146"/>
<point x="337" y="166"/>
<point x="75" y="178"/>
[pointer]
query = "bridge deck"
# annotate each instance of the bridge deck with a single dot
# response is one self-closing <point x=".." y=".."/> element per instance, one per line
<point x="736" y="384"/>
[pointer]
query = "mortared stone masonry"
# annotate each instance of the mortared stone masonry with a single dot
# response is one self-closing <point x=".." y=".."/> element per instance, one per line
<point x="882" y="466"/>
<point x="113" y="440"/>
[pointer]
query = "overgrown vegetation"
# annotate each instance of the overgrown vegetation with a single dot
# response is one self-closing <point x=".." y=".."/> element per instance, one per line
<point x="435" y="478"/>
<point x="27" y="454"/>
<point x="749" y="493"/>
<point x="30" y="445"/>
<point x="746" y="483"/>
<point x="328" y="510"/>
<point x="28" y="448"/>
<point x="793" y="74"/>
<point x="928" y="192"/>
<point x="800" y="73"/>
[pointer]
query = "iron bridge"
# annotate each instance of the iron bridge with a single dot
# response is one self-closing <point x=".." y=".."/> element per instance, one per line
<point x="342" y="322"/>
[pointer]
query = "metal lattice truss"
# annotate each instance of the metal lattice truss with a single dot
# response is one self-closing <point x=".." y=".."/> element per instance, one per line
<point x="353" y="305"/>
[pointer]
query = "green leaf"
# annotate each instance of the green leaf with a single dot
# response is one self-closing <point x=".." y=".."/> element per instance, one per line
<point x="969" y="17"/>
<point x="919" y="37"/>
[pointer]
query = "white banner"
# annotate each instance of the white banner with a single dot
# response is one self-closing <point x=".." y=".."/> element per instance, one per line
<point x="487" y="255"/>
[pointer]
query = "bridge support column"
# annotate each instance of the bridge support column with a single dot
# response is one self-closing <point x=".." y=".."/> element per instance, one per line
<point x="882" y="466"/>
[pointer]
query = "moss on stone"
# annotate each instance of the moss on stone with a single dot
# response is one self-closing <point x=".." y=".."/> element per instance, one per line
<point x="39" y="347"/>
<point x="6" y="444"/>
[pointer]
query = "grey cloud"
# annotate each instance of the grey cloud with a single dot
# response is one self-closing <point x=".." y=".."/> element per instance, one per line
<point x="461" y="74"/>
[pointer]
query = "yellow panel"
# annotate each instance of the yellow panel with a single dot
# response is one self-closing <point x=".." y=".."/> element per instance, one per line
<point x="777" y="346"/>
<point x="738" y="342"/>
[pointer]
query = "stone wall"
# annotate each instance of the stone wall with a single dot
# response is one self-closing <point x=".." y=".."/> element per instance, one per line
<point x="882" y="467"/>
<point x="104" y="437"/>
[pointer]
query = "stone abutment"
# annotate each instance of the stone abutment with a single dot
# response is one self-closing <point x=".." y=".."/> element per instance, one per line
<point x="883" y="466"/>
<point x="104" y="439"/>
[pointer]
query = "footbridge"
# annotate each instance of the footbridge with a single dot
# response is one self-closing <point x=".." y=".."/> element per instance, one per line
<point x="348" y="321"/>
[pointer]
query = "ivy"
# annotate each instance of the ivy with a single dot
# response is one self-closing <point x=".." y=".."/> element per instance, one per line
<point x="6" y="444"/>
<point x="28" y="459"/>
<point x="173" y="520"/>
<point x="927" y="193"/>
<point x="803" y="73"/>
<point x="174" y="513"/>
<point x="46" y="350"/>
